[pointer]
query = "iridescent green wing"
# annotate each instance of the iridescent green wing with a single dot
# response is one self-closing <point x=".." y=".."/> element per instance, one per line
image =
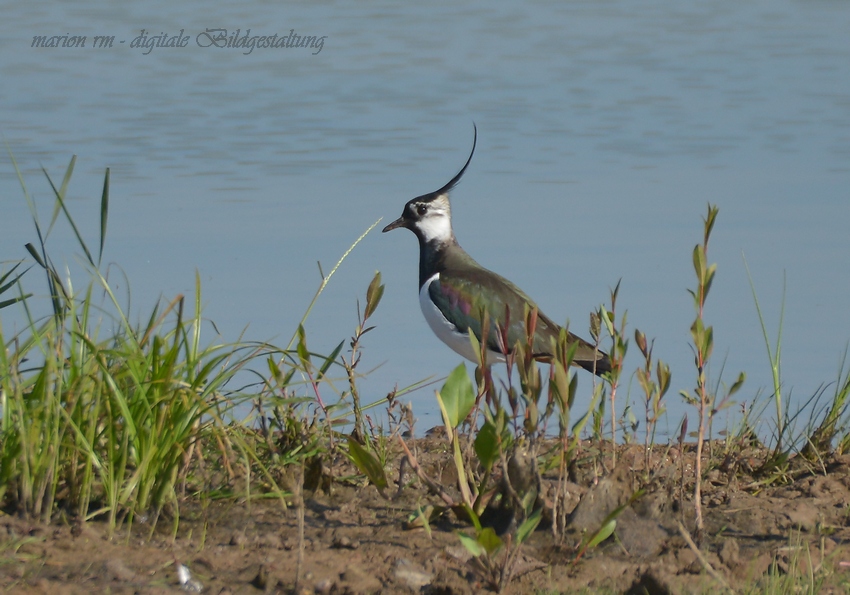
<point x="463" y="300"/>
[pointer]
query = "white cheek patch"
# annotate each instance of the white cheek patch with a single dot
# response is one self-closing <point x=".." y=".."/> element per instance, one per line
<point x="436" y="226"/>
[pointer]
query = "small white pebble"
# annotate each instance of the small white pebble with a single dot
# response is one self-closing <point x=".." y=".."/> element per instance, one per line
<point x="183" y="574"/>
<point x="187" y="583"/>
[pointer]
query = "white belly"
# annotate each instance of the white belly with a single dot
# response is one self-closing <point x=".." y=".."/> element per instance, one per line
<point x="448" y="332"/>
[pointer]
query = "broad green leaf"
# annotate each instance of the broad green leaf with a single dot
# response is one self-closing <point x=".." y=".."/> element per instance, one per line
<point x="487" y="445"/>
<point x="489" y="540"/>
<point x="471" y="544"/>
<point x="457" y="396"/>
<point x="368" y="463"/>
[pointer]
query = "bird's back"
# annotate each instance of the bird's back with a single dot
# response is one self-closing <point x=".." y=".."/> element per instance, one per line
<point x="465" y="290"/>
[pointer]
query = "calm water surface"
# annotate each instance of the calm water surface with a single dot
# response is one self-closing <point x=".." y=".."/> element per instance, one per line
<point x="604" y="129"/>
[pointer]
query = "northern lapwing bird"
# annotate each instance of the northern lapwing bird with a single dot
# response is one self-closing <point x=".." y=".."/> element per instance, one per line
<point x="454" y="290"/>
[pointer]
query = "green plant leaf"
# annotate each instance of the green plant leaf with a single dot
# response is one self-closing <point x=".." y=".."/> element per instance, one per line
<point x="489" y="540"/>
<point x="457" y="396"/>
<point x="104" y="214"/>
<point x="274" y="370"/>
<point x="607" y="319"/>
<point x="368" y="463"/>
<point x="329" y="361"/>
<point x="595" y="326"/>
<point x="640" y="339"/>
<point x="373" y="295"/>
<point x="476" y="347"/>
<point x="471" y="544"/>
<point x="301" y="348"/>
<point x="60" y="198"/>
<point x="9" y="302"/>
<point x="423" y="517"/>
<point x="561" y="385"/>
<point x="699" y="263"/>
<point x="487" y="445"/>
<point x="709" y="220"/>
<point x="738" y="383"/>
<point x="604" y="533"/>
<point x="709" y="277"/>
<point x="6" y="285"/>
<point x="662" y="371"/>
<point x="472" y="517"/>
<point x="34" y="253"/>
<point x="528" y="526"/>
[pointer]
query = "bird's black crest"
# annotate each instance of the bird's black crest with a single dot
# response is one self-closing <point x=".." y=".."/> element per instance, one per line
<point x="454" y="181"/>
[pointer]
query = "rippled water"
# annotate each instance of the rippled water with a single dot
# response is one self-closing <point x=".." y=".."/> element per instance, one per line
<point x="604" y="129"/>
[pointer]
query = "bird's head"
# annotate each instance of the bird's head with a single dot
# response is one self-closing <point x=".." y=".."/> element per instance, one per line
<point x="430" y="216"/>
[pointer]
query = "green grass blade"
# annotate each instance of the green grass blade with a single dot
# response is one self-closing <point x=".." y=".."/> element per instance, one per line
<point x="104" y="215"/>
<point x="63" y="189"/>
<point x="60" y="197"/>
<point x="326" y="280"/>
<point x="773" y="356"/>
<point x="6" y="285"/>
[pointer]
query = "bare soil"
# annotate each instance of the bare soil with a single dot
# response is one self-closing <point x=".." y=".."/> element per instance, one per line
<point x="758" y="528"/>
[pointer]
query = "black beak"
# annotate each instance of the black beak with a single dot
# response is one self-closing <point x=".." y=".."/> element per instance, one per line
<point x="400" y="222"/>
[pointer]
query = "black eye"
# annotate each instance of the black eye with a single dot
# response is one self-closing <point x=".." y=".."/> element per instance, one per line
<point x="421" y="209"/>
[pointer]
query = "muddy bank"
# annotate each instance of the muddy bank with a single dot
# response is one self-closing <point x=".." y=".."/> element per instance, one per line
<point x="358" y="541"/>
